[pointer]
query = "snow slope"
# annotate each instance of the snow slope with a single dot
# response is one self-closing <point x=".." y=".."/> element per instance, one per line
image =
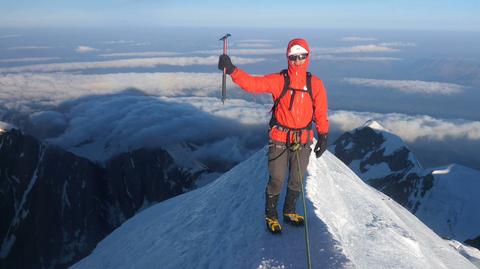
<point x="451" y="206"/>
<point x="221" y="226"/>
<point x="445" y="198"/>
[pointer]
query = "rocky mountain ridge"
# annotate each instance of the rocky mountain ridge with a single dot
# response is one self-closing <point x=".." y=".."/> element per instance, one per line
<point x="56" y="206"/>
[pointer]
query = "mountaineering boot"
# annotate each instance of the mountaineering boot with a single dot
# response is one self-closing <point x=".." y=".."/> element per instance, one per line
<point x="271" y="216"/>
<point x="293" y="219"/>
<point x="289" y="214"/>
<point x="273" y="226"/>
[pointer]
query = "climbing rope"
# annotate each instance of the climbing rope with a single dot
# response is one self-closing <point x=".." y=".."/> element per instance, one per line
<point x="297" y="148"/>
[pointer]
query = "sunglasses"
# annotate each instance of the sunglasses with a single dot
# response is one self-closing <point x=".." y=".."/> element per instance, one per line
<point x="299" y="57"/>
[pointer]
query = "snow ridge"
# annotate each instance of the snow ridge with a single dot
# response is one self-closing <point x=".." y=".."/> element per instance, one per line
<point x="221" y="225"/>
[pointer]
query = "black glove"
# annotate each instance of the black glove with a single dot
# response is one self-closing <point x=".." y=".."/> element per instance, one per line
<point x="225" y="62"/>
<point x="321" y="145"/>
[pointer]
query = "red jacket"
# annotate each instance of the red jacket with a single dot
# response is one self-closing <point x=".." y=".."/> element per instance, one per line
<point x="302" y="109"/>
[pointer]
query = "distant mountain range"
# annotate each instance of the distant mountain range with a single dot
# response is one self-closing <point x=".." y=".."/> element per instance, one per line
<point x="446" y="199"/>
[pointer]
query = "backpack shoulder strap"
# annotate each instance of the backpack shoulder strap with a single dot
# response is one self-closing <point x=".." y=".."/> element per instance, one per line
<point x="309" y="85"/>
<point x="286" y="83"/>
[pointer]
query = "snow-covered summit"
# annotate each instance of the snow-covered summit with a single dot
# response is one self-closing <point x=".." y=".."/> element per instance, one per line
<point x="5" y="126"/>
<point x="453" y="169"/>
<point x="374" y="153"/>
<point x="374" y="125"/>
<point x="442" y="170"/>
<point x="221" y="226"/>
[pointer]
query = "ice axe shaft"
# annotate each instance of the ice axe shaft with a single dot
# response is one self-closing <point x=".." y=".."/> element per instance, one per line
<point x="224" y="76"/>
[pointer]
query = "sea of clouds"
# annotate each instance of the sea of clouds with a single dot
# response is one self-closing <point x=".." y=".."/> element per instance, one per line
<point x="100" y="115"/>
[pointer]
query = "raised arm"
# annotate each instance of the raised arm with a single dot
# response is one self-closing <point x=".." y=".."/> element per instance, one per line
<point x="272" y="83"/>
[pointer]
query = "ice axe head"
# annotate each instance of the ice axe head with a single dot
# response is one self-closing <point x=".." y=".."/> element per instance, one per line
<point x="225" y="37"/>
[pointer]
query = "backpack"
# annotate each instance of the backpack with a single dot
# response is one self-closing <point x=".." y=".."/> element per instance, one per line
<point x="286" y="88"/>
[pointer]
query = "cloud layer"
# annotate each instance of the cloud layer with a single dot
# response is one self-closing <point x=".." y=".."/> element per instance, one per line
<point x="248" y="51"/>
<point x="29" y="48"/>
<point x="31" y="59"/>
<point x="97" y="116"/>
<point x="370" y="48"/>
<point x="358" y="38"/>
<point x="398" y="44"/>
<point x="254" y="45"/>
<point x="329" y="57"/>
<point x="108" y="125"/>
<point x="126" y="42"/>
<point x="125" y="63"/>
<point x="141" y="54"/>
<point x="409" y="128"/>
<point x="9" y="36"/>
<point x="27" y="91"/>
<point x="99" y="128"/>
<point x="85" y="49"/>
<point x="408" y="86"/>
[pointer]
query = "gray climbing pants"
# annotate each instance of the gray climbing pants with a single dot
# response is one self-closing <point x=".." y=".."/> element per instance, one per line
<point x="281" y="159"/>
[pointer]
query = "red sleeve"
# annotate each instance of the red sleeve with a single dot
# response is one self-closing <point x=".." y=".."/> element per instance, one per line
<point x="320" y="105"/>
<point x="272" y="83"/>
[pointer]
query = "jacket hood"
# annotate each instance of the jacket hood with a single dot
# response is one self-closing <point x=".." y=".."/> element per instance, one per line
<point x="298" y="73"/>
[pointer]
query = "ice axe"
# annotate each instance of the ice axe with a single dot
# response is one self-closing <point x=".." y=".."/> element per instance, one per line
<point x="224" y="77"/>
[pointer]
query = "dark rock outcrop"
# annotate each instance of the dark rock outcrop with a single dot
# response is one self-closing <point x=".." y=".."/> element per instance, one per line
<point x="55" y="206"/>
<point x="474" y="242"/>
<point x="389" y="166"/>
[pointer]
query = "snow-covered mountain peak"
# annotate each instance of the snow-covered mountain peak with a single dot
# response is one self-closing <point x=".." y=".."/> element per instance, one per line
<point x="443" y="170"/>
<point x="454" y="168"/>
<point x="5" y="126"/>
<point x="375" y="153"/>
<point x="222" y="226"/>
<point x="374" y="125"/>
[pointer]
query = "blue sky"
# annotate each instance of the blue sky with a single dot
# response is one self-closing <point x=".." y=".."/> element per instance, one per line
<point x="458" y="15"/>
